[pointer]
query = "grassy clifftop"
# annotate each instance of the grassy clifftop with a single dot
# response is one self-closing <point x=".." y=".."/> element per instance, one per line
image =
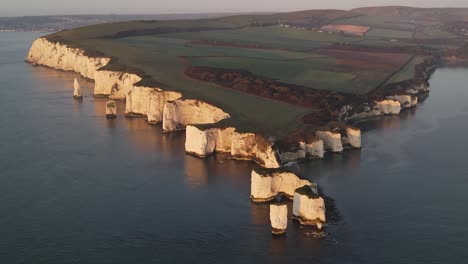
<point x="270" y="70"/>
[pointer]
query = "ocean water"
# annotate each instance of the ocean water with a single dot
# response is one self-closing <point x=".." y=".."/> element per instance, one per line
<point x="78" y="188"/>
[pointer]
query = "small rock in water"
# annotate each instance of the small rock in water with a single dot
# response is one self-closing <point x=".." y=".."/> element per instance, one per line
<point x="111" y="109"/>
<point x="77" y="90"/>
<point x="279" y="218"/>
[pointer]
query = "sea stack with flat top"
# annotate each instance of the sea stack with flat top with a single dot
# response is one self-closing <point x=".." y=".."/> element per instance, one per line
<point x="77" y="90"/>
<point x="111" y="109"/>
<point x="309" y="207"/>
<point x="278" y="218"/>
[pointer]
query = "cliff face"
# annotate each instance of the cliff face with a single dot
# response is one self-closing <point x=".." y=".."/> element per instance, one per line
<point x="307" y="148"/>
<point x="351" y="137"/>
<point x="171" y="109"/>
<point x="309" y="209"/>
<point x="244" y="146"/>
<point x="62" y="57"/>
<point x="278" y="218"/>
<point x="115" y="85"/>
<point x="250" y="146"/>
<point x="266" y="186"/>
<point x="149" y="102"/>
<point x="331" y="140"/>
<point x="179" y="113"/>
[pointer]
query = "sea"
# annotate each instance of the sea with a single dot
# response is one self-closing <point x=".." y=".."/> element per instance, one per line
<point x="78" y="188"/>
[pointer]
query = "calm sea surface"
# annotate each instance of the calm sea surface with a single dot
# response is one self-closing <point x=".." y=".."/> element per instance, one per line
<point x="77" y="188"/>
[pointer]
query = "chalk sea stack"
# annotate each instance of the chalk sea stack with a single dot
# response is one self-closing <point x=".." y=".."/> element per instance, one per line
<point x="309" y="207"/>
<point x="267" y="184"/>
<point x="278" y="218"/>
<point x="111" y="109"/>
<point x="77" y="90"/>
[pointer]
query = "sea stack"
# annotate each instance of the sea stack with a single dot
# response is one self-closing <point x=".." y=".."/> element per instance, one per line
<point x="111" y="109"/>
<point x="77" y="90"/>
<point x="267" y="184"/>
<point x="278" y="218"/>
<point x="309" y="207"/>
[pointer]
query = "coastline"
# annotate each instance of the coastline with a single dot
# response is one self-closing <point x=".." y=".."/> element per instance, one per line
<point x="204" y="135"/>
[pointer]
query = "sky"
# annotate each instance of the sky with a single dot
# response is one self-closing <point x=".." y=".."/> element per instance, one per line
<point x="66" y="7"/>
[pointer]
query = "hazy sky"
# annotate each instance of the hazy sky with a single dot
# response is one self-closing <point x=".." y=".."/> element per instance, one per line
<point x="43" y="7"/>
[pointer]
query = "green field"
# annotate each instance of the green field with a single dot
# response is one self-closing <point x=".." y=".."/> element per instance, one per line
<point x="297" y="55"/>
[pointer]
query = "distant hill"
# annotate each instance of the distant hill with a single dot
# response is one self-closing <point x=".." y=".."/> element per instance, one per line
<point x="58" y="23"/>
<point x="440" y="14"/>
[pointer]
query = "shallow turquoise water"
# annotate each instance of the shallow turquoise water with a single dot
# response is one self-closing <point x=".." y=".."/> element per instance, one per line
<point x="77" y="188"/>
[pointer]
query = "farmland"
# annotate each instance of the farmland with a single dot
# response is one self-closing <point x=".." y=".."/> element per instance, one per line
<point x="285" y="66"/>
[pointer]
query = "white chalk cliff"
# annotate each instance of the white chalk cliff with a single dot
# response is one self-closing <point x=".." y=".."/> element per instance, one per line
<point x="169" y="108"/>
<point x="309" y="207"/>
<point x="351" y="137"/>
<point x="148" y="102"/>
<point x="113" y="84"/>
<point x="279" y="218"/>
<point x="378" y="108"/>
<point x="179" y="113"/>
<point x="250" y="146"/>
<point x="265" y="186"/>
<point x="406" y="101"/>
<point x="310" y="148"/>
<point x="200" y="142"/>
<point x="331" y="140"/>
<point x="62" y="57"/>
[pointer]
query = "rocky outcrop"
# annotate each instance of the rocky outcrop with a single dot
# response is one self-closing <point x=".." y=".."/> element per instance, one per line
<point x="224" y="139"/>
<point x="417" y="89"/>
<point x="351" y="137"/>
<point x="387" y="107"/>
<point x="148" y="102"/>
<point x="63" y="57"/>
<point x="111" y="109"/>
<point x="297" y="153"/>
<point x="278" y="218"/>
<point x="331" y="140"/>
<point x="266" y="185"/>
<point x="314" y="148"/>
<point x="307" y="147"/>
<point x="200" y="142"/>
<point x="406" y="101"/>
<point x="77" y="90"/>
<point x="115" y="85"/>
<point x="179" y="113"/>
<point x="250" y="146"/>
<point x="367" y="110"/>
<point x="309" y="207"/>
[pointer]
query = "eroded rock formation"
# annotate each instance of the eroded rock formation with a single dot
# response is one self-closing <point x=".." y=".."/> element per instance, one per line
<point x="77" y="90"/>
<point x="62" y="57"/>
<point x="331" y="140"/>
<point x="351" y="137"/>
<point x="266" y="185"/>
<point x="111" y="109"/>
<point x="148" y="102"/>
<point x="115" y="85"/>
<point x="278" y="218"/>
<point x="179" y="113"/>
<point x="251" y="146"/>
<point x="309" y="207"/>
<point x="300" y="148"/>
<point x="405" y="100"/>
